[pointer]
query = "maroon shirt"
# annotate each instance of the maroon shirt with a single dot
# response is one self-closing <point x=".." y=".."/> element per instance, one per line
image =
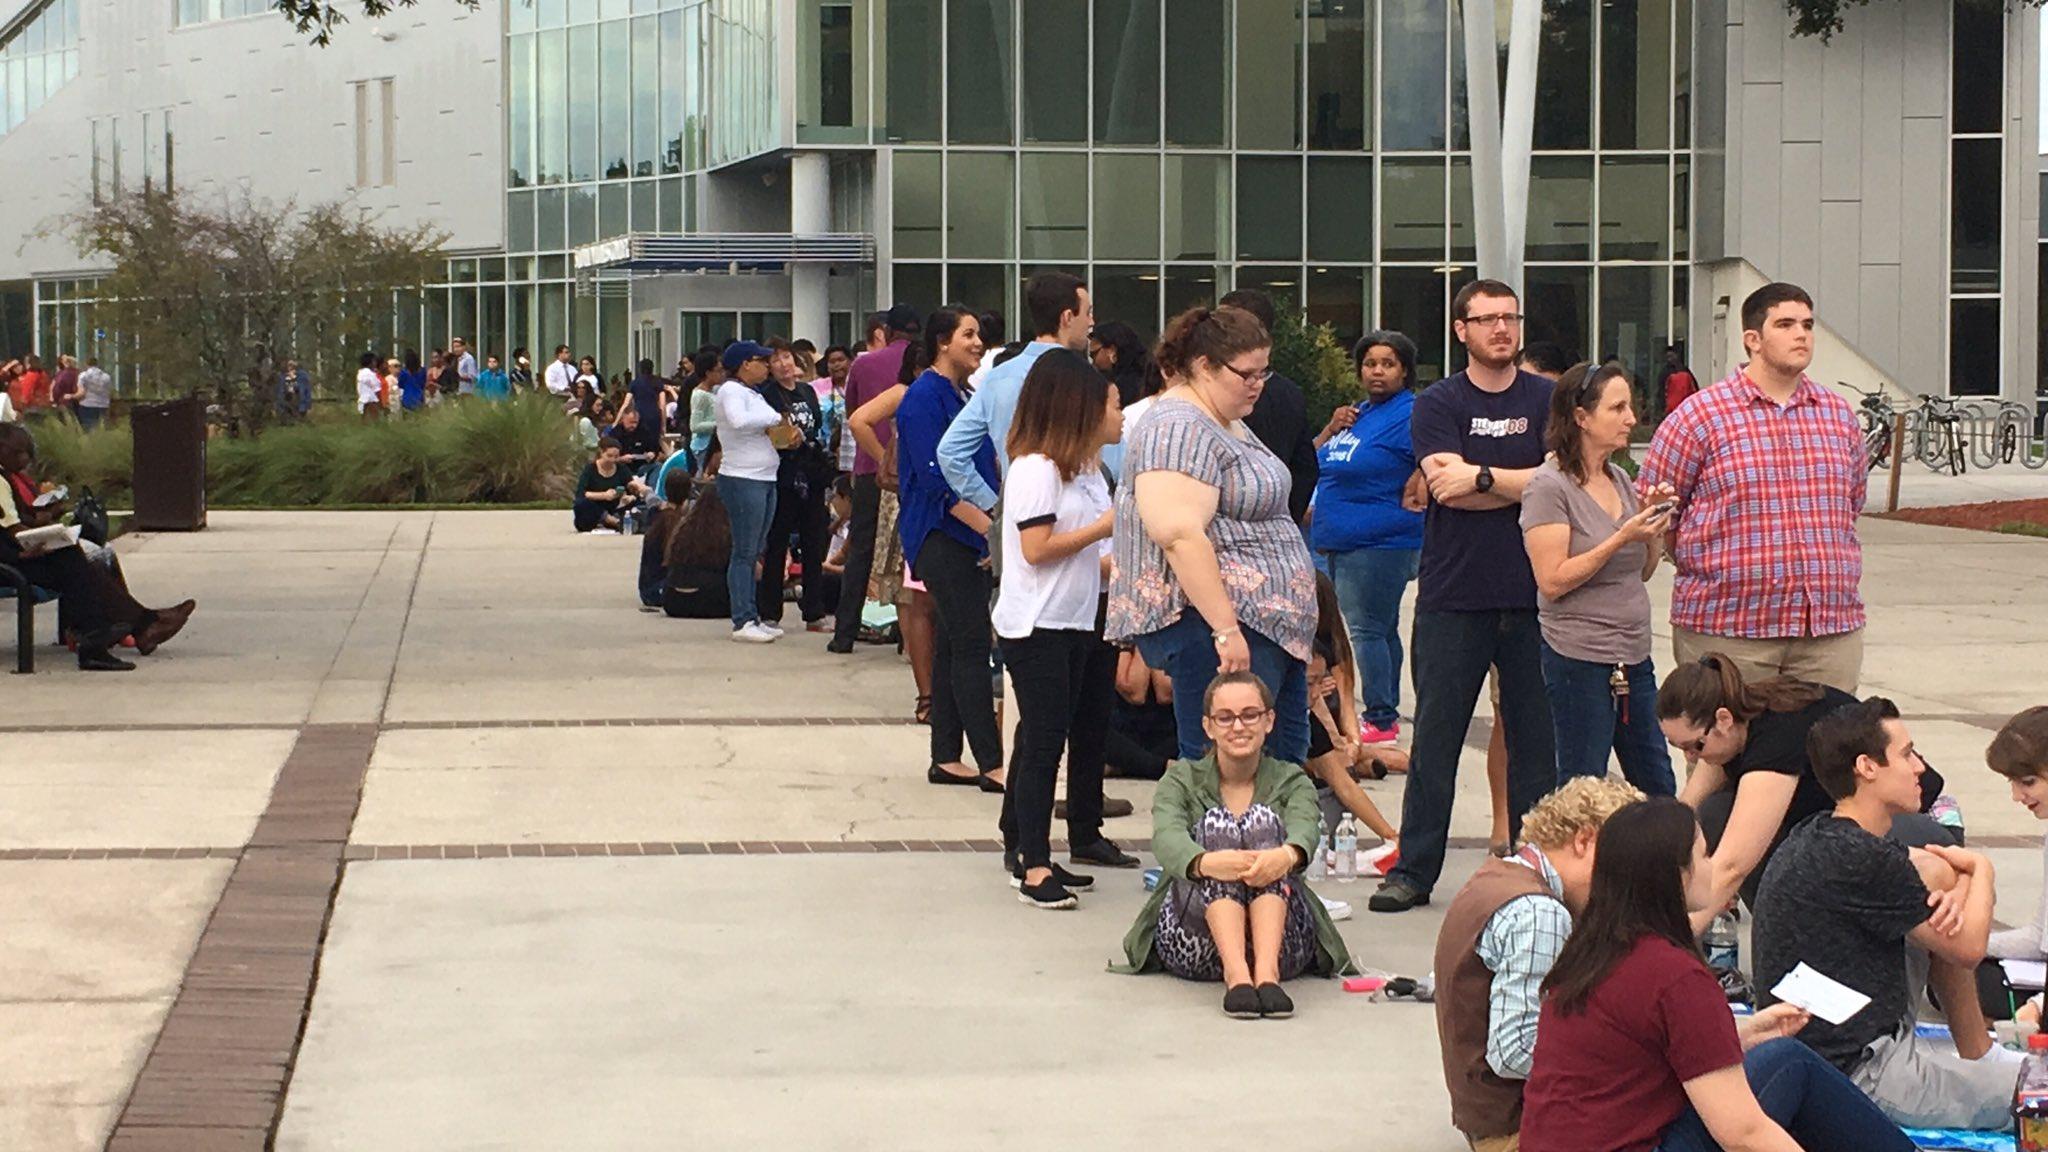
<point x="1612" y="1075"/>
<point x="872" y="374"/>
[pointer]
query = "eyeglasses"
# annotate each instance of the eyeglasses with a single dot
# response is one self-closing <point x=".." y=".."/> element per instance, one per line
<point x="1694" y="747"/>
<point x="1259" y="377"/>
<point x="1246" y="718"/>
<point x="1495" y="320"/>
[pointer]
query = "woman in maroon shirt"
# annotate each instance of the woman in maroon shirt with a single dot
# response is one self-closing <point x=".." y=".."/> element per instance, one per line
<point x="1636" y="1049"/>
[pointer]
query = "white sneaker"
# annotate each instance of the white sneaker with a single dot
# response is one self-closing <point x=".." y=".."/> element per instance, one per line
<point x="752" y="633"/>
<point x="1337" y="909"/>
<point x="774" y="631"/>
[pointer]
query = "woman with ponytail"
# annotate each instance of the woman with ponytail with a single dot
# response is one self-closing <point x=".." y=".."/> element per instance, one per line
<point x="1750" y="780"/>
<point x="1211" y="573"/>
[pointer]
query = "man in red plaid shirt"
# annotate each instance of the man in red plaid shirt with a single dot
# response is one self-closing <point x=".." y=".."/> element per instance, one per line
<point x="1770" y="475"/>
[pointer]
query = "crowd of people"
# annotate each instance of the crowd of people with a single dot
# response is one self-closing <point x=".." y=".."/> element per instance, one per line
<point x="1182" y="578"/>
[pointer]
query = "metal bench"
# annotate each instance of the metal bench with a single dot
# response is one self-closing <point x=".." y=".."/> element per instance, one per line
<point x="15" y="586"/>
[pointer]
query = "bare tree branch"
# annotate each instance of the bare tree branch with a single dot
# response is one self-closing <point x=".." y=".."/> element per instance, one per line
<point x="317" y="19"/>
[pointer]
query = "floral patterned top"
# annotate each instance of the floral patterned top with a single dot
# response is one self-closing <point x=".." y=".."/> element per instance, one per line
<point x="1265" y="563"/>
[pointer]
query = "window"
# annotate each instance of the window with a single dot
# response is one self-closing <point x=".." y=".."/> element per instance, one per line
<point x="1414" y="59"/>
<point x="583" y="78"/>
<point x="37" y="60"/>
<point x="1127" y="71"/>
<point x="1269" y="208"/>
<point x="1056" y="72"/>
<point x="1198" y="73"/>
<point x="519" y="113"/>
<point x="1269" y="55"/>
<point x="376" y="132"/>
<point x="1339" y="94"/>
<point x="911" y="49"/>
<point x="1054" y="191"/>
<point x="1560" y="221"/>
<point x="1127" y="206"/>
<point x="1978" y="95"/>
<point x="919" y="203"/>
<point x="1411" y="211"/>
<point x="1635" y="75"/>
<point x="1564" y="72"/>
<point x="1634" y="221"/>
<point x="1197" y="207"/>
<point x="616" y="138"/>
<point x="835" y="65"/>
<point x="1976" y="192"/>
<point x="207" y="11"/>
<point x="1340" y="208"/>
<point x="980" y="187"/>
<point x="978" y="71"/>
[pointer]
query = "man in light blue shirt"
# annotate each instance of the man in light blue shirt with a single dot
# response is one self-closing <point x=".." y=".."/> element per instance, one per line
<point x="1061" y="314"/>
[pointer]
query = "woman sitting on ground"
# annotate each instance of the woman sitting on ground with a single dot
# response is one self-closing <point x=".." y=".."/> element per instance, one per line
<point x="93" y="598"/>
<point x="605" y="490"/>
<point x="1233" y="831"/>
<point x="1336" y="757"/>
<point x="1636" y="1049"/>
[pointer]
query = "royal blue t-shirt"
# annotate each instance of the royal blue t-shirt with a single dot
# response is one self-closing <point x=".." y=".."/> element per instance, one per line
<point x="1361" y="472"/>
<point x="1474" y="561"/>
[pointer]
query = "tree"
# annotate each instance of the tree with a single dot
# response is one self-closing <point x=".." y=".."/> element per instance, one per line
<point x="1823" y="18"/>
<point x="319" y="18"/>
<point x="1310" y="355"/>
<point x="215" y="299"/>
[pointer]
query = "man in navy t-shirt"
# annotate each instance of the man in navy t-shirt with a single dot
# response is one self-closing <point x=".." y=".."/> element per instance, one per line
<point x="1479" y="436"/>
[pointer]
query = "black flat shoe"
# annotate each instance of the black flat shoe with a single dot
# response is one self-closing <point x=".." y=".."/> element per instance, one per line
<point x="938" y="775"/>
<point x="1061" y="876"/>
<point x="988" y="785"/>
<point x="1103" y="853"/>
<point x="1241" y="1003"/>
<point x="1274" y="1004"/>
<point x="102" y="661"/>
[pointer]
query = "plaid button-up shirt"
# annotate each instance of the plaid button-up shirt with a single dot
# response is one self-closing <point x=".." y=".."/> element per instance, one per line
<point x="1768" y="499"/>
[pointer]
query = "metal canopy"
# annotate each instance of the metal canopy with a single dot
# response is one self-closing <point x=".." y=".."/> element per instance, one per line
<point x="650" y="253"/>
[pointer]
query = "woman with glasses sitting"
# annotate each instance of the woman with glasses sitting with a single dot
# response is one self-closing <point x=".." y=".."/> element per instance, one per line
<point x="1750" y="780"/>
<point x="1233" y="831"/>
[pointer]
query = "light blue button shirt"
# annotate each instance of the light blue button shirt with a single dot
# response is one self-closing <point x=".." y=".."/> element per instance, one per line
<point x="986" y="417"/>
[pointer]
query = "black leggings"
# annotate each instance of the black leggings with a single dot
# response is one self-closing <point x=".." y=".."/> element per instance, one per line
<point x="1065" y="680"/>
<point x="963" y="707"/>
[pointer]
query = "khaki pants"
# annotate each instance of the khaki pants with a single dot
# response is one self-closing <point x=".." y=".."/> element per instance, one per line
<point x="1836" y="661"/>
<point x="1509" y="1143"/>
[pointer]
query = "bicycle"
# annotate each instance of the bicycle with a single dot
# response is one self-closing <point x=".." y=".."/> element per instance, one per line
<point x="1876" y="416"/>
<point x="1942" y="442"/>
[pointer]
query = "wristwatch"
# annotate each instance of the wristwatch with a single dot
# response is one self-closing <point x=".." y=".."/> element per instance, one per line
<point x="1485" y="481"/>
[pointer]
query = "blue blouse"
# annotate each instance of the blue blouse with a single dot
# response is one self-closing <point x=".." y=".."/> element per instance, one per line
<point x="1362" y="471"/>
<point x="924" y="499"/>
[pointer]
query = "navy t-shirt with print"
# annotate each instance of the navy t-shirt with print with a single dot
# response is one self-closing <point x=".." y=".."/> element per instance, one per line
<point x="1474" y="561"/>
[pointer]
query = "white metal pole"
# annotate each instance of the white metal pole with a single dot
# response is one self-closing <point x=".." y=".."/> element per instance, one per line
<point x="1518" y="121"/>
<point x="1482" y="102"/>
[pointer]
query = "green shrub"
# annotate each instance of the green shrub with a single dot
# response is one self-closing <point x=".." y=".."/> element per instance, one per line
<point x="518" y="452"/>
<point x="1309" y="355"/>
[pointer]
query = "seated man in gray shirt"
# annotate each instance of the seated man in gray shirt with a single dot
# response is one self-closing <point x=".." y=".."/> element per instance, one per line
<point x="1841" y="898"/>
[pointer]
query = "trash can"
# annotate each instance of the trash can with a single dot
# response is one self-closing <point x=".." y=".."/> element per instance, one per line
<point x="170" y="465"/>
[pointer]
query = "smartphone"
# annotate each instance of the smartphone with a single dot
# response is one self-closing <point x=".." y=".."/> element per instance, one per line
<point x="1665" y="509"/>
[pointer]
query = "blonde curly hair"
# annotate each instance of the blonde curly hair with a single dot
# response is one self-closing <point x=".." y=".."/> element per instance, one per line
<point x="1582" y="804"/>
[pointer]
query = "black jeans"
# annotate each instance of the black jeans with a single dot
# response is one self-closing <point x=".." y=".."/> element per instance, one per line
<point x="1452" y="651"/>
<point x="804" y="516"/>
<point x="860" y="558"/>
<point x="962" y="704"/>
<point x="92" y="598"/>
<point x="1065" y="680"/>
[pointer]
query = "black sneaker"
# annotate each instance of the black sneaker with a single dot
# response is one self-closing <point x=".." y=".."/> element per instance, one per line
<point x="1241" y="1003"/>
<point x="1060" y="876"/>
<point x="1397" y="896"/>
<point x="1103" y="853"/>
<point x="1051" y="895"/>
<point x="1274" y="1004"/>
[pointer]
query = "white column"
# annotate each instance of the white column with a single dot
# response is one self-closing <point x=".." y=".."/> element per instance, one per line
<point x="1518" y="122"/>
<point x="1482" y="102"/>
<point x="810" y="212"/>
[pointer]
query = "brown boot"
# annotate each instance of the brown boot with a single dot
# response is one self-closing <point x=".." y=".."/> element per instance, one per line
<point x="168" y="623"/>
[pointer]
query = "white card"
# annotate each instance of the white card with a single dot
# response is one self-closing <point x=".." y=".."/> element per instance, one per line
<point x="2025" y="973"/>
<point x="1830" y="1000"/>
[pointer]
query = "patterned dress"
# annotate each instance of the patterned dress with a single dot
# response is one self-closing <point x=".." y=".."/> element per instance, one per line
<point x="1183" y="941"/>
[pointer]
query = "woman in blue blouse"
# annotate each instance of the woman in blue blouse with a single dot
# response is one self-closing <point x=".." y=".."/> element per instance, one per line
<point x="1368" y="522"/>
<point x="945" y="542"/>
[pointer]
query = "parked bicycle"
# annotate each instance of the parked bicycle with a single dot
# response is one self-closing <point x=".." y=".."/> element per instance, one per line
<point x="1877" y="417"/>
<point x="1942" y="442"/>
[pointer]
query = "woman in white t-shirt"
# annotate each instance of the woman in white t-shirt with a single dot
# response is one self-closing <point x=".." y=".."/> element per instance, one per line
<point x="1057" y="519"/>
<point x="369" y="388"/>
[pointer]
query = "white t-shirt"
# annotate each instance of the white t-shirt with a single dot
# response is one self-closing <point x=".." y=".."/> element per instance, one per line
<point x="560" y="378"/>
<point x="1066" y="593"/>
<point x="369" y="388"/>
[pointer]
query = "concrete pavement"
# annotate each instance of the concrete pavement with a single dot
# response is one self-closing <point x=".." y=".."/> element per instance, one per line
<point x="844" y="1001"/>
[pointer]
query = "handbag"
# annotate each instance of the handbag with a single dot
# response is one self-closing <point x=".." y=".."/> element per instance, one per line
<point x="90" y="516"/>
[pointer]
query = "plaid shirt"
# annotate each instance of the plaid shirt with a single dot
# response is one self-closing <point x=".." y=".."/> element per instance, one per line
<point x="1519" y="945"/>
<point x="1768" y="498"/>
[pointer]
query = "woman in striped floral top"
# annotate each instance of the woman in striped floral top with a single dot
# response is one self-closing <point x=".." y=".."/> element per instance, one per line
<point x="1211" y="574"/>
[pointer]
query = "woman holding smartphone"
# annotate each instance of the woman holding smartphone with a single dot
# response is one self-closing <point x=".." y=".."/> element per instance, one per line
<point x="1593" y="543"/>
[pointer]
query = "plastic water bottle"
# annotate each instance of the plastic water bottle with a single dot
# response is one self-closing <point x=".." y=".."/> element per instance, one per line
<point x="2030" y="1097"/>
<point x="1722" y="944"/>
<point x="1346" y="844"/>
<point x="1317" y="865"/>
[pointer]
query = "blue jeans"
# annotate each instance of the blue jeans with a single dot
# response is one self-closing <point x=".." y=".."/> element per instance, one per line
<point x="1370" y="583"/>
<point x="1186" y="651"/>
<point x="749" y="505"/>
<point x="1813" y="1102"/>
<point x="1590" y="723"/>
<point x="1453" y="650"/>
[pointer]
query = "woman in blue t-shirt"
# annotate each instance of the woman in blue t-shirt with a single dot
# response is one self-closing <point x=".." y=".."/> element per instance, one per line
<point x="1368" y="521"/>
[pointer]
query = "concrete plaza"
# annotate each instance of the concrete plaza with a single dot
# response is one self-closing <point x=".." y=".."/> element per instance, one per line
<point x="591" y="897"/>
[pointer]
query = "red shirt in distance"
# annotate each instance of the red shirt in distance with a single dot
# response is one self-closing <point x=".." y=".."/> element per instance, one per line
<point x="1611" y="1076"/>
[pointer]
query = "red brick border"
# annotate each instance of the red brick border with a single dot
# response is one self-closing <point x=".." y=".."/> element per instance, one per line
<point x="217" y="1076"/>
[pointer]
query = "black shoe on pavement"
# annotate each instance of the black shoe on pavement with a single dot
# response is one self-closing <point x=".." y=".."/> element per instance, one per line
<point x="1050" y="895"/>
<point x="1061" y="876"/>
<point x="1103" y="853"/>
<point x="1274" y="1004"/>
<point x="1241" y="1003"/>
<point x="839" y="649"/>
<point x="1397" y="896"/>
<point x="938" y="775"/>
<point x="102" y="661"/>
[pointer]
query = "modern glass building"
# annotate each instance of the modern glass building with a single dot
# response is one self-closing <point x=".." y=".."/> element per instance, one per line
<point x="637" y="177"/>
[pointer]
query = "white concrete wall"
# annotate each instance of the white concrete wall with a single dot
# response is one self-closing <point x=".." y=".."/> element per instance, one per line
<point x="1826" y="164"/>
<point x="256" y="108"/>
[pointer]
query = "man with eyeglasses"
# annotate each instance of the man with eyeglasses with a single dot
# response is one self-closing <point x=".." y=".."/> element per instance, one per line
<point x="1479" y="436"/>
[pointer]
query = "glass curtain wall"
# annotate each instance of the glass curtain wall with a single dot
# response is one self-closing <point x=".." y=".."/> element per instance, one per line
<point x="1173" y="149"/>
<point x="37" y="60"/>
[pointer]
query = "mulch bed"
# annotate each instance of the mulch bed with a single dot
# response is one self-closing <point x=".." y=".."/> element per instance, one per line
<point x="1983" y="517"/>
